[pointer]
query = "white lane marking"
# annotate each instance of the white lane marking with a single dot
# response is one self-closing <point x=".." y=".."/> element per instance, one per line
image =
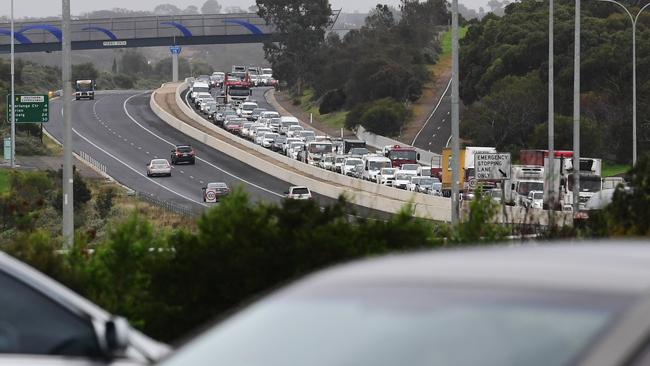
<point x="432" y="113"/>
<point x="132" y="144"/>
<point x="201" y="182"/>
<point x="182" y="172"/>
<point x="199" y="159"/>
<point x="448" y="141"/>
<point x="434" y="135"/>
<point x="448" y="112"/>
<point x="191" y="177"/>
<point x="439" y="127"/>
<point x="136" y="171"/>
<point x="139" y="147"/>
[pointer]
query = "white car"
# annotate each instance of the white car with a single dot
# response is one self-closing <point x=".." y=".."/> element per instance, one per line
<point x="424" y="185"/>
<point x="338" y="163"/>
<point x="158" y="167"/>
<point x="246" y="109"/>
<point x="349" y="166"/>
<point x="386" y="176"/>
<point x="298" y="193"/>
<point x="327" y="162"/>
<point x="268" y="139"/>
<point x="412" y="169"/>
<point x="535" y="199"/>
<point x="294" y="131"/>
<point x="294" y="149"/>
<point x="287" y="144"/>
<point x="259" y="134"/>
<point x="402" y="179"/>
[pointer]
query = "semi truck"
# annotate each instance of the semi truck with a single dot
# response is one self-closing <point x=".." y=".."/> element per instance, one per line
<point x="349" y="144"/>
<point x="84" y="89"/>
<point x="467" y="183"/>
<point x="400" y="155"/>
<point x="523" y="179"/>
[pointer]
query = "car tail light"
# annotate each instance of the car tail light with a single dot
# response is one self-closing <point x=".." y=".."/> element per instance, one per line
<point x="178" y="153"/>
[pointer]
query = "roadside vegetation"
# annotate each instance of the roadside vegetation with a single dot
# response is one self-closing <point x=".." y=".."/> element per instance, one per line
<point x="503" y="66"/>
<point x="387" y="58"/>
<point x="171" y="277"/>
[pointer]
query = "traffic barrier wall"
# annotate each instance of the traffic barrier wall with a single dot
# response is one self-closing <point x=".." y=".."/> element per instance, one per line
<point x="327" y="183"/>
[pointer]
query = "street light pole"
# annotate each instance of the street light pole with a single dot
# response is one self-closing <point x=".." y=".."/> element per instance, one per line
<point x="13" y="95"/>
<point x="576" y="111"/>
<point x="68" y="199"/>
<point x="455" y="148"/>
<point x="634" y="21"/>
<point x="551" y="111"/>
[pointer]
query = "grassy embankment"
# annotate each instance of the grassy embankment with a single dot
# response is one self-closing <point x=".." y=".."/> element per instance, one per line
<point x="334" y="119"/>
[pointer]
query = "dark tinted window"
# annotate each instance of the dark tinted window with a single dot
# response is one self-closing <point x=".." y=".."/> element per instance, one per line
<point x="31" y="323"/>
<point x="184" y="149"/>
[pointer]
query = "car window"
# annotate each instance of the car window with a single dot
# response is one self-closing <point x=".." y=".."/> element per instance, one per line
<point x="31" y="323"/>
<point x="408" y="325"/>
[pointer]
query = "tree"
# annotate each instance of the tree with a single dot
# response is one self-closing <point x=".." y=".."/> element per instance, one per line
<point x="211" y="7"/>
<point x="629" y="212"/>
<point x="234" y="10"/>
<point x="303" y="23"/>
<point x="167" y="9"/>
<point x="84" y="71"/>
<point x="114" y="67"/>
<point x="191" y="10"/>
<point x="134" y="62"/>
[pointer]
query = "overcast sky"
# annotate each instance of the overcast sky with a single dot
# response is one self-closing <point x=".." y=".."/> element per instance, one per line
<point x="41" y="8"/>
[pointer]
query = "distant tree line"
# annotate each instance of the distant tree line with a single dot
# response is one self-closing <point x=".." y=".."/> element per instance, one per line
<point x="383" y="65"/>
<point x="504" y="63"/>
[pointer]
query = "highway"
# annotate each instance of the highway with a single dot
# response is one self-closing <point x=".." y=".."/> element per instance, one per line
<point x="120" y="130"/>
<point x="436" y="132"/>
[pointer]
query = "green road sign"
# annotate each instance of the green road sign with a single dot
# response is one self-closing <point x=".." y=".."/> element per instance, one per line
<point x="29" y="108"/>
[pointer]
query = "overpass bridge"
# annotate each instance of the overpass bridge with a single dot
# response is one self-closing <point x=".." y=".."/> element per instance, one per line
<point x="148" y="31"/>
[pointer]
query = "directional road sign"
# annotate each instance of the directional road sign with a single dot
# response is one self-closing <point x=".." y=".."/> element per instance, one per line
<point x="29" y="108"/>
<point x="492" y="166"/>
<point x="175" y="50"/>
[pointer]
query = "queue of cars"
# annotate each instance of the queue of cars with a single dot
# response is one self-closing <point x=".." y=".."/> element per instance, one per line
<point x="286" y="135"/>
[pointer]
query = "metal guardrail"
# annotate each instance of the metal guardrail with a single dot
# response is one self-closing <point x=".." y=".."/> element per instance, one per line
<point x="166" y="205"/>
<point x="92" y="161"/>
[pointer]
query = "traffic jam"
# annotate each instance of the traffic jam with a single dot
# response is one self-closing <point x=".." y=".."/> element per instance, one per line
<point x="225" y="99"/>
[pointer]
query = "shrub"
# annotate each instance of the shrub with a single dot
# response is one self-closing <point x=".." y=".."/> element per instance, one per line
<point x="104" y="201"/>
<point x="29" y="145"/>
<point x="332" y="101"/>
<point x="123" y="81"/>
<point x="384" y="117"/>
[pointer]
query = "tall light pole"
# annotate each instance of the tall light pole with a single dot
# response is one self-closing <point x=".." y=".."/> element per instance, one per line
<point x="576" y="111"/>
<point x="13" y="97"/>
<point x="455" y="148"/>
<point x="634" y="23"/>
<point x="551" y="110"/>
<point x="68" y="199"/>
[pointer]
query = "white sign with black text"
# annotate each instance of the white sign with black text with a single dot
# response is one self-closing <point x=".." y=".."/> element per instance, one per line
<point x="492" y="166"/>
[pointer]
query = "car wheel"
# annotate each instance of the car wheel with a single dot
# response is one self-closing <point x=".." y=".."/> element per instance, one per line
<point x="169" y="174"/>
<point x="193" y="162"/>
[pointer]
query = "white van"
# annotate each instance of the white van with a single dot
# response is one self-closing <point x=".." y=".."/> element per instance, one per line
<point x="286" y="122"/>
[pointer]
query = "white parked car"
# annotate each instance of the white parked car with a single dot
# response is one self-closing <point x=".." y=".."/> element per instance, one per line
<point x="338" y="163"/>
<point x="158" y="167"/>
<point x="298" y="193"/>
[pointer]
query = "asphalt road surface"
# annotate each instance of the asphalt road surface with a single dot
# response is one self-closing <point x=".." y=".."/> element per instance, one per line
<point x="435" y="135"/>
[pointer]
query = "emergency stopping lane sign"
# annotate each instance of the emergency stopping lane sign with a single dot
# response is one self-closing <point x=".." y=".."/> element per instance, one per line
<point x="492" y="166"/>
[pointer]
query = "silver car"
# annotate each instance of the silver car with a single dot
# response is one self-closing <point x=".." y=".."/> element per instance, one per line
<point x="158" y="167"/>
<point x="44" y="323"/>
<point x="547" y="305"/>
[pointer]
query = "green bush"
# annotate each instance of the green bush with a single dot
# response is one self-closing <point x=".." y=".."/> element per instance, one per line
<point x="332" y="101"/>
<point x="384" y="117"/>
<point x="27" y="145"/>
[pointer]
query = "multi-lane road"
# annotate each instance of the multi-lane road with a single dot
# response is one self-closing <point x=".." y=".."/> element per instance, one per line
<point x="119" y="130"/>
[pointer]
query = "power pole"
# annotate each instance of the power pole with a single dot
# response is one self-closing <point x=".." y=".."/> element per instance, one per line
<point x="455" y="148"/>
<point x="13" y="97"/>
<point x="68" y="199"/>
<point x="551" y="200"/>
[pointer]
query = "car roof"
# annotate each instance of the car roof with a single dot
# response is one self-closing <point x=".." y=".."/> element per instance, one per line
<point x="217" y="184"/>
<point x="613" y="266"/>
<point x="179" y="146"/>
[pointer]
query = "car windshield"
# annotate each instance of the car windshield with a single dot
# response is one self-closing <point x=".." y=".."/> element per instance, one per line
<point x="377" y="165"/>
<point x="353" y="162"/>
<point x="525" y="187"/>
<point x="407" y="325"/>
<point x="538" y="196"/>
<point x="275" y="121"/>
<point x="217" y="185"/>
<point x="427" y="181"/>
<point x="267" y="71"/>
<point x="410" y="167"/>
<point x="201" y="89"/>
<point x="587" y="183"/>
<point x="302" y="190"/>
<point x="402" y="176"/>
<point x="270" y="135"/>
<point x="359" y="151"/>
<point x="320" y="148"/>
<point x="238" y="92"/>
<point x="402" y="155"/>
<point x="249" y="107"/>
<point x="388" y="171"/>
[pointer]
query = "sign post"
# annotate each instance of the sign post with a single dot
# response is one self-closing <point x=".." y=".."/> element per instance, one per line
<point x="29" y="108"/>
<point x="494" y="167"/>
<point x="175" y="50"/>
<point x="7" y="149"/>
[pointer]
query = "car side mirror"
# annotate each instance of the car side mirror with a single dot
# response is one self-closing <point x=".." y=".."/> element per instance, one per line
<point x="116" y="336"/>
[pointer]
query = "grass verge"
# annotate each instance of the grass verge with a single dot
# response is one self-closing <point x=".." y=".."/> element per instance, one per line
<point x="334" y="119"/>
<point x="446" y="41"/>
<point x="4" y="180"/>
<point x="610" y="169"/>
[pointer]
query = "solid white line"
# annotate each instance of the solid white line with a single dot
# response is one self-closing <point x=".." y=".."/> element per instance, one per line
<point x="448" y="141"/>
<point x="136" y="171"/>
<point x="432" y="113"/>
<point x="203" y="160"/>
